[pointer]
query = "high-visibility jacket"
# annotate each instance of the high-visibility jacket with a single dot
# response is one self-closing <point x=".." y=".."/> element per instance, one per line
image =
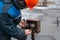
<point x="6" y="6"/>
<point x="9" y="18"/>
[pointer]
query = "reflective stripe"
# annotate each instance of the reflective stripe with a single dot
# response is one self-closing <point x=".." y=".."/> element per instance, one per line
<point x="6" y="7"/>
<point x="7" y="1"/>
<point x="13" y="11"/>
<point x="18" y="17"/>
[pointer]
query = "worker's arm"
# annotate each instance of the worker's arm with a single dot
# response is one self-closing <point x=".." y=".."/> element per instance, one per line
<point x="16" y="21"/>
<point x="7" y="25"/>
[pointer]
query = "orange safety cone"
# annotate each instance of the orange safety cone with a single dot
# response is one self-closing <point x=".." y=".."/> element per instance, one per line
<point x="31" y="3"/>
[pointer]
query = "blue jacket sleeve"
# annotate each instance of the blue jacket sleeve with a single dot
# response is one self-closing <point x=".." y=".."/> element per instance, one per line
<point x="7" y="25"/>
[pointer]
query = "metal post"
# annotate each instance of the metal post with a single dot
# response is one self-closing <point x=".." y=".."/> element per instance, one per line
<point x="57" y="22"/>
<point x="44" y="3"/>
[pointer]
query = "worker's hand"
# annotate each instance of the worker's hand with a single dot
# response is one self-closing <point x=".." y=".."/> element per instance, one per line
<point x="22" y="24"/>
<point x="28" y="32"/>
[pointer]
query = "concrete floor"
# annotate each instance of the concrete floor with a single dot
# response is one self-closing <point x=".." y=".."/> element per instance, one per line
<point x="49" y="30"/>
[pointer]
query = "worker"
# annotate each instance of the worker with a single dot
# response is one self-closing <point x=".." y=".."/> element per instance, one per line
<point x="10" y="16"/>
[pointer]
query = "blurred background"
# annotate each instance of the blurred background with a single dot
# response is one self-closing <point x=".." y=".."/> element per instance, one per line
<point x="48" y="12"/>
